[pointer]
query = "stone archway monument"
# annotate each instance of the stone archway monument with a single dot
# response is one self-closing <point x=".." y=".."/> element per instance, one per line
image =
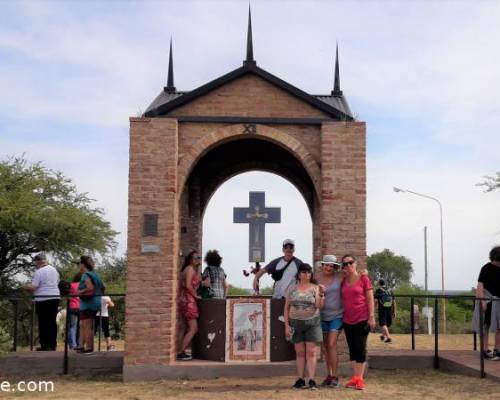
<point x="188" y="143"/>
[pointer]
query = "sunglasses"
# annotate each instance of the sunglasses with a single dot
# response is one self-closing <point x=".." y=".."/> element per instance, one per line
<point x="347" y="263"/>
<point x="197" y="257"/>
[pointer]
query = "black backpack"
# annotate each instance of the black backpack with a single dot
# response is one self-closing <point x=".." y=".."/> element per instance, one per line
<point x="386" y="298"/>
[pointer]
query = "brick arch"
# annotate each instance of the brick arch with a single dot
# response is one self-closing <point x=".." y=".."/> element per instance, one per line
<point x="240" y="131"/>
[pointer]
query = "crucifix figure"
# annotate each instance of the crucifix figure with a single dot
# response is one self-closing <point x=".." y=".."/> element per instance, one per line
<point x="257" y="216"/>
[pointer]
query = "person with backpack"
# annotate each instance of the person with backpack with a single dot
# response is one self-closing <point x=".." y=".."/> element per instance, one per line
<point x="283" y="270"/>
<point x="90" y="290"/>
<point x="386" y="307"/>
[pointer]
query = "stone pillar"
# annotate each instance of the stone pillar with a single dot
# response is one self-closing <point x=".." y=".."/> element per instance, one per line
<point x="152" y="273"/>
<point x="343" y="195"/>
<point x="343" y="189"/>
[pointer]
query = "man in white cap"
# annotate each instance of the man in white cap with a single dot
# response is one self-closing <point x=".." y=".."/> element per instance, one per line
<point x="282" y="269"/>
<point x="44" y="286"/>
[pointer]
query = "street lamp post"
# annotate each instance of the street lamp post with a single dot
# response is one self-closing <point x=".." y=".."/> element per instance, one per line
<point x="399" y="190"/>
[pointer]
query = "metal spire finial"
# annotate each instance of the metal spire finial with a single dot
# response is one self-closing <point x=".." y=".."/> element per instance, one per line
<point x="170" y="88"/>
<point x="249" y="60"/>
<point x="336" y="86"/>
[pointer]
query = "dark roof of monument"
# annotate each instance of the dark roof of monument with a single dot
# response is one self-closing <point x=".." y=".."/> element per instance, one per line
<point x="335" y="105"/>
<point x="169" y="99"/>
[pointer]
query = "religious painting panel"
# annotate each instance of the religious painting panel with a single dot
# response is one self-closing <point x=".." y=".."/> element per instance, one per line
<point x="247" y="328"/>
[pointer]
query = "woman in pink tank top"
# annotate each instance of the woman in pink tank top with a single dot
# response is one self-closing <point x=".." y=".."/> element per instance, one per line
<point x="359" y="317"/>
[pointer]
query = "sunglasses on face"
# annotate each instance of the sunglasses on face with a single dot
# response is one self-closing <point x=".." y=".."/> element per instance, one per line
<point x="347" y="263"/>
<point x="197" y="258"/>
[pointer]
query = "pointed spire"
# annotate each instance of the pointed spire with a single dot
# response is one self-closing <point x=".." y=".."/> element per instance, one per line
<point x="249" y="60"/>
<point x="336" y="86"/>
<point x="170" y="88"/>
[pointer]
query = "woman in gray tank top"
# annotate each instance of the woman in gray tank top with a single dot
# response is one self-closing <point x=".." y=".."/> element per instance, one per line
<point x="331" y="278"/>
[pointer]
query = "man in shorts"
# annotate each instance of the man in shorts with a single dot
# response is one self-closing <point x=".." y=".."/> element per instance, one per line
<point x="386" y="310"/>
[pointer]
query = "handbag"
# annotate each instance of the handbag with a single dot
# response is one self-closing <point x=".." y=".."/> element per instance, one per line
<point x="205" y="292"/>
<point x="278" y="273"/>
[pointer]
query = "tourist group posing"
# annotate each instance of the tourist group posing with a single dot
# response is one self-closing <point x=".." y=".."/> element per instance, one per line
<point x="317" y="308"/>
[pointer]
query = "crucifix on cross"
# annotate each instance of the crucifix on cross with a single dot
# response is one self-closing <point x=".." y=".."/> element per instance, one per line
<point x="257" y="216"/>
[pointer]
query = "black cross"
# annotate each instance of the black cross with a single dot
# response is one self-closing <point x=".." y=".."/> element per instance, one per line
<point x="257" y="216"/>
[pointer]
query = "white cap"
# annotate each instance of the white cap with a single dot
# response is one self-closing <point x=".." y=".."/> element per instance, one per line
<point x="330" y="259"/>
<point x="288" y="241"/>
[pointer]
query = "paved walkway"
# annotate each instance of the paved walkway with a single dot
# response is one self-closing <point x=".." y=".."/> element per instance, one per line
<point x="43" y="363"/>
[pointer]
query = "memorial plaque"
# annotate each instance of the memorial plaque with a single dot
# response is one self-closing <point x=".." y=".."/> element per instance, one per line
<point x="150" y="248"/>
<point x="257" y="216"/>
<point x="150" y="227"/>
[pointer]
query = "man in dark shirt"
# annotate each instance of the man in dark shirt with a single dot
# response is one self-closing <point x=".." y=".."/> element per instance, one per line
<point x="489" y="279"/>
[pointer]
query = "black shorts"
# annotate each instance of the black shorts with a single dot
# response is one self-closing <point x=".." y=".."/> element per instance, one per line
<point x="385" y="316"/>
<point x="105" y="325"/>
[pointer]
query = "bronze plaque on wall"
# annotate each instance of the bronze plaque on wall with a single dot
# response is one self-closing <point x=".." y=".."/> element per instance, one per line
<point x="150" y="227"/>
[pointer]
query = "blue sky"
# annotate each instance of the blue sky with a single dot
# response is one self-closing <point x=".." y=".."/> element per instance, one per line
<point x="425" y="77"/>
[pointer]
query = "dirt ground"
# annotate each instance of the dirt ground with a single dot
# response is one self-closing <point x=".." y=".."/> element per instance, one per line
<point x="423" y="342"/>
<point x="380" y="385"/>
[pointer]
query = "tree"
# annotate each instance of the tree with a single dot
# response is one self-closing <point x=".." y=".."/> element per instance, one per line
<point x="491" y="182"/>
<point x="394" y="269"/>
<point x="41" y="210"/>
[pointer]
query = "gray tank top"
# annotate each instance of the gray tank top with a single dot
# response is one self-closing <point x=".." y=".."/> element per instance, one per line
<point x="333" y="307"/>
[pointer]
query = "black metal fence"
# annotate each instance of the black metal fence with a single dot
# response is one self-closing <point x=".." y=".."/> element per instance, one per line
<point x="23" y="306"/>
<point x="475" y="302"/>
<point x="18" y="314"/>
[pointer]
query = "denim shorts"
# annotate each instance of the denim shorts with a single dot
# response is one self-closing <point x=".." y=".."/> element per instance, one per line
<point x="308" y="330"/>
<point x="332" y="326"/>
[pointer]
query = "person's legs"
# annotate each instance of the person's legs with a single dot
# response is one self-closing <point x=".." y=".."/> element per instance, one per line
<point x="326" y="349"/>
<point x="487" y="322"/>
<point x="52" y="306"/>
<point x="73" y="321"/>
<point x="497" y="339"/>
<point x="191" y="331"/>
<point x="87" y="331"/>
<point x="358" y="335"/>
<point x="349" y="336"/>
<point x="83" y="333"/>
<point x="105" y="330"/>
<point x="486" y="337"/>
<point x="41" y="314"/>
<point x="385" y="331"/>
<point x="311" y="349"/>
<point x="360" y="357"/>
<point x="300" y="352"/>
<point x="332" y="357"/>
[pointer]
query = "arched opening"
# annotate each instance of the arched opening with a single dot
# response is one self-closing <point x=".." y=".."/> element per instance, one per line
<point x="234" y="157"/>
<point x="231" y="240"/>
